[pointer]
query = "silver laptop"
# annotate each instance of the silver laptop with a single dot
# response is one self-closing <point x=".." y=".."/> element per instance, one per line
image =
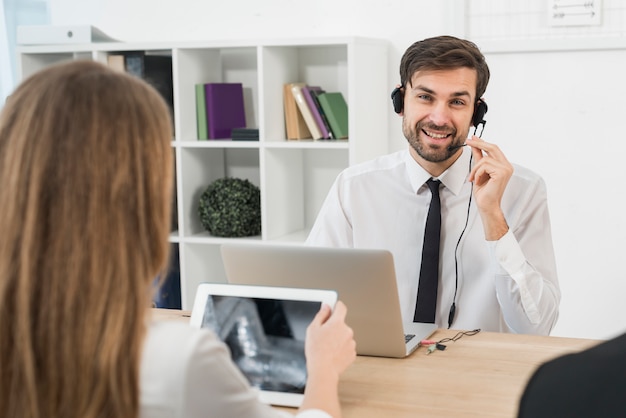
<point x="364" y="279"/>
<point x="264" y="328"/>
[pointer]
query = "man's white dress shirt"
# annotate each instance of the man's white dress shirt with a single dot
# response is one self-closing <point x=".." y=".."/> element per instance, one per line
<point x="509" y="285"/>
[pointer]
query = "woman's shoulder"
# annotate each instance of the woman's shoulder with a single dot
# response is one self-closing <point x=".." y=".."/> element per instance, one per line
<point x="170" y="346"/>
<point x="170" y="351"/>
<point x="186" y="371"/>
<point x="164" y="331"/>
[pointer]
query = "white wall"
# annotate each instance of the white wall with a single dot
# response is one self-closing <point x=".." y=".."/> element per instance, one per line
<point x="559" y="113"/>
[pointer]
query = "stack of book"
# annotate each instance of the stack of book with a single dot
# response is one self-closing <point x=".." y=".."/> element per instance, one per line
<point x="312" y="113"/>
<point x="219" y="109"/>
<point x="154" y="69"/>
<point x="245" y="134"/>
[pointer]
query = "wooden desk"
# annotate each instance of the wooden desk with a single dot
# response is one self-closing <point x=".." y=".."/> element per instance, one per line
<point x="477" y="376"/>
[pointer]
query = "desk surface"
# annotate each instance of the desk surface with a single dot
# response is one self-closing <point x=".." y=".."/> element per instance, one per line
<point x="477" y="376"/>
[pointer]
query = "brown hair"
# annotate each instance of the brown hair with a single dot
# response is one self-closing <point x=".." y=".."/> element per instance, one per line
<point x="444" y="53"/>
<point x="85" y="189"/>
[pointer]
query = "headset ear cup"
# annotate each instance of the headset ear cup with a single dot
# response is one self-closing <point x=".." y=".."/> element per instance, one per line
<point x="479" y="113"/>
<point x="397" y="97"/>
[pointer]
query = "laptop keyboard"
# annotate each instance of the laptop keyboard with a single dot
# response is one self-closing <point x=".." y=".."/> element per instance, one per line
<point x="408" y="337"/>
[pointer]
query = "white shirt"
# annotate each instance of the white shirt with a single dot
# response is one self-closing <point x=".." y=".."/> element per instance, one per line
<point x="509" y="285"/>
<point x="188" y="373"/>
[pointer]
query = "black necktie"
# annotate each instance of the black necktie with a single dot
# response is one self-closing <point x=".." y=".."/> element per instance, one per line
<point x="429" y="271"/>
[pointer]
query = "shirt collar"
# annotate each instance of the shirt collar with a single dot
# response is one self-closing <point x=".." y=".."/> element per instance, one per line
<point x="453" y="178"/>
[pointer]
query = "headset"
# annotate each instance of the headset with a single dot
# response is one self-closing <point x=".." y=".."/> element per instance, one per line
<point x="478" y="119"/>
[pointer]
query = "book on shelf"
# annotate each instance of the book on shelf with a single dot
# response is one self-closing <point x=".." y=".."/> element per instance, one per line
<point x="116" y="62"/>
<point x="315" y="94"/>
<point x="336" y="110"/>
<point x="303" y="107"/>
<point x="224" y="109"/>
<point x="201" y="122"/>
<point x="167" y="289"/>
<point x="156" y="70"/>
<point x="310" y="96"/>
<point x="294" y="122"/>
<point x="245" y="134"/>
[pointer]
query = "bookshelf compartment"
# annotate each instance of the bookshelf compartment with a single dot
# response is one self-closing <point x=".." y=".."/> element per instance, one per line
<point x="296" y="184"/>
<point x="214" y="65"/>
<point x="200" y="263"/>
<point x="200" y="167"/>
<point x="316" y="65"/>
<point x="31" y="63"/>
<point x="168" y="295"/>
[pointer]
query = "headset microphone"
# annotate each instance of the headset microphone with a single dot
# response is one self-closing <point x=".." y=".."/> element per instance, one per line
<point x="478" y="119"/>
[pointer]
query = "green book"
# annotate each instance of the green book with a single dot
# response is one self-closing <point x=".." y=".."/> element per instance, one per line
<point x="201" y="120"/>
<point x="336" y="111"/>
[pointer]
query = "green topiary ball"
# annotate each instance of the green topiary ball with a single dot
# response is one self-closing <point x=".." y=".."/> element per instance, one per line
<point x="231" y="207"/>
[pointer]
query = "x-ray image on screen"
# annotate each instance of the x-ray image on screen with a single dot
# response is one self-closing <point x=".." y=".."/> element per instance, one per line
<point x="265" y="338"/>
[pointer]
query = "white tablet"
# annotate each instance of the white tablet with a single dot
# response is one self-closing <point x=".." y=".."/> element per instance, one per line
<point x="264" y="327"/>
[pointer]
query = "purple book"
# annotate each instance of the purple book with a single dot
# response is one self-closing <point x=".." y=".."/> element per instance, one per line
<point x="309" y="93"/>
<point x="224" y="109"/>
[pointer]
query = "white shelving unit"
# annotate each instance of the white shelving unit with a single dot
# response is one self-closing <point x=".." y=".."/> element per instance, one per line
<point x="293" y="176"/>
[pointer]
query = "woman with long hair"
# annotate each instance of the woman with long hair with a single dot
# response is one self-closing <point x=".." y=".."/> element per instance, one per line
<point x="85" y="190"/>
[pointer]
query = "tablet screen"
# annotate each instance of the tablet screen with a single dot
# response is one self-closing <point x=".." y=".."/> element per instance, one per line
<point x="265" y="337"/>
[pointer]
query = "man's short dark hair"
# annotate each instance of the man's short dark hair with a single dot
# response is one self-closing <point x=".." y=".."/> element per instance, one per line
<point x="444" y="53"/>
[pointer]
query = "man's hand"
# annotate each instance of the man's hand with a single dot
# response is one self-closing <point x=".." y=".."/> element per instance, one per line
<point x="490" y="173"/>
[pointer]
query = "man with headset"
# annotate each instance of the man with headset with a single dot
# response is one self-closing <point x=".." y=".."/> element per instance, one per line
<point x="496" y="268"/>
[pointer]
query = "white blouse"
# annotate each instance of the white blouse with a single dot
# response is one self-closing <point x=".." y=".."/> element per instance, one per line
<point x="188" y="373"/>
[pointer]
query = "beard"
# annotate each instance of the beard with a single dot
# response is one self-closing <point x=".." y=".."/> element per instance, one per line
<point x="432" y="153"/>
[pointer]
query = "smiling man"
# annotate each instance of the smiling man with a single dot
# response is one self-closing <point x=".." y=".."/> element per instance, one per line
<point x="494" y="266"/>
